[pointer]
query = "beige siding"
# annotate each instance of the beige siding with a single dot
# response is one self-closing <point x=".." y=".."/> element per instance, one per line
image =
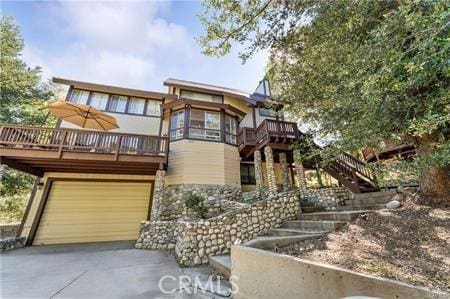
<point x="203" y="162"/>
<point x="82" y="211"/>
<point x="241" y="105"/>
<point x="132" y="124"/>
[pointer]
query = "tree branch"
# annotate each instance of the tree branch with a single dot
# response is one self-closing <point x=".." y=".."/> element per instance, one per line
<point x="233" y="32"/>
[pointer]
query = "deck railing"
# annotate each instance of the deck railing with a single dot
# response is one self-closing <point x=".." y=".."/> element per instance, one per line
<point x="267" y="129"/>
<point x="73" y="140"/>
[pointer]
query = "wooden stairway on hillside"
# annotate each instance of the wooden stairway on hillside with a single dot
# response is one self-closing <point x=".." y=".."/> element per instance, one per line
<point x="353" y="174"/>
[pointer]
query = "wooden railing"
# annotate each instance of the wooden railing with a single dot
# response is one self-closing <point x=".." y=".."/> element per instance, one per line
<point x="72" y="140"/>
<point x="357" y="165"/>
<point x="267" y="129"/>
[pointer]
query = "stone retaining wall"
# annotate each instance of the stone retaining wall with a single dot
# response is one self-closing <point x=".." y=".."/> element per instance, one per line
<point x="326" y="197"/>
<point x="9" y="230"/>
<point x="11" y="243"/>
<point x="218" y="198"/>
<point x="198" y="239"/>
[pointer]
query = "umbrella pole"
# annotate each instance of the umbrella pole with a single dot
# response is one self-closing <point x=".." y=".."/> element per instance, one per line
<point x="45" y="119"/>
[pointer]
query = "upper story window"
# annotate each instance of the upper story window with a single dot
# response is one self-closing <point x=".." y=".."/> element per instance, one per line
<point x="267" y="112"/>
<point x="79" y="96"/>
<point x="99" y="100"/>
<point x="118" y="103"/>
<point x="205" y="125"/>
<point x="136" y="106"/>
<point x="201" y="96"/>
<point x="153" y="108"/>
<point x="230" y="129"/>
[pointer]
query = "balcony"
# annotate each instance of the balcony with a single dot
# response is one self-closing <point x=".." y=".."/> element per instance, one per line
<point x="36" y="150"/>
<point x="279" y="135"/>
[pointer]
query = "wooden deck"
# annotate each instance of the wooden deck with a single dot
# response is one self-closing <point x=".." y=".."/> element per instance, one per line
<point x="36" y="150"/>
<point x="279" y="135"/>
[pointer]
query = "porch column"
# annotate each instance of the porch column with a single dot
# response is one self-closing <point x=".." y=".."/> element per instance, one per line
<point x="284" y="172"/>
<point x="258" y="173"/>
<point x="158" y="195"/>
<point x="271" y="179"/>
<point x="300" y="171"/>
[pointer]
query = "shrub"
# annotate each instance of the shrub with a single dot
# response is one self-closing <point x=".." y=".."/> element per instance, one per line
<point x="196" y="204"/>
<point x="12" y="207"/>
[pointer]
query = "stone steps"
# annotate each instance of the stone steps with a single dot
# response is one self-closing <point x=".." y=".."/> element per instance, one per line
<point x="360" y="207"/>
<point x="338" y="216"/>
<point x="311" y="224"/>
<point x="367" y="201"/>
<point x="222" y="264"/>
<point x="283" y="232"/>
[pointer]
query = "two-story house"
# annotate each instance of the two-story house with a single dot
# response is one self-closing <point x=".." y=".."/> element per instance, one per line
<point x="98" y="186"/>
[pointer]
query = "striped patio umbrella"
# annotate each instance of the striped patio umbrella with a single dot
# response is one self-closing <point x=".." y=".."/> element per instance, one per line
<point x="84" y="116"/>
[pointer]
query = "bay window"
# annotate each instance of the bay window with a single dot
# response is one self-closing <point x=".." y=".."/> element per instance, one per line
<point x="204" y="125"/>
<point x="177" y="125"/>
<point x="230" y="129"/>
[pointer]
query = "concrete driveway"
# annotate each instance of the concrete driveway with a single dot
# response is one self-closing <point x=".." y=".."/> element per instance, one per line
<point x="99" y="270"/>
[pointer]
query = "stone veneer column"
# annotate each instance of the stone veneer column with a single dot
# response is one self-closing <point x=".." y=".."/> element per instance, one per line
<point x="258" y="173"/>
<point x="284" y="172"/>
<point x="158" y="195"/>
<point x="270" y="167"/>
<point x="300" y="171"/>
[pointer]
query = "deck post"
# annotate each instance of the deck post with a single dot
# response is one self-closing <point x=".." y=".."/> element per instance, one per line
<point x="284" y="172"/>
<point x="270" y="167"/>
<point x="258" y="173"/>
<point x="158" y="195"/>
<point x="300" y="171"/>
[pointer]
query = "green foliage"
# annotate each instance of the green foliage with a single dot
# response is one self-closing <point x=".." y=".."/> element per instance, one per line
<point x="360" y="71"/>
<point x="15" y="182"/>
<point x="22" y="97"/>
<point x="397" y="173"/>
<point x="21" y="93"/>
<point x="196" y="204"/>
<point x="12" y="207"/>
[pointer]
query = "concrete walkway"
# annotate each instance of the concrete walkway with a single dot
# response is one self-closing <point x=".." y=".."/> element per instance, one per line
<point x="96" y="270"/>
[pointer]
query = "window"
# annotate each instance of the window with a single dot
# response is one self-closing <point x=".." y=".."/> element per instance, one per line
<point x="117" y="103"/>
<point x="201" y="96"/>
<point x="248" y="174"/>
<point x="79" y="96"/>
<point x="267" y="112"/>
<point x="136" y="106"/>
<point x="230" y="129"/>
<point x="153" y="108"/>
<point x="177" y="125"/>
<point x="99" y="100"/>
<point x="204" y="125"/>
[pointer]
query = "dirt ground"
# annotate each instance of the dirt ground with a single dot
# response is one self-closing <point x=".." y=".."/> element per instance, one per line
<point x="409" y="244"/>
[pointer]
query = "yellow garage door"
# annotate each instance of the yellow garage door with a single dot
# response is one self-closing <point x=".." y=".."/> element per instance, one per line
<point x="83" y="211"/>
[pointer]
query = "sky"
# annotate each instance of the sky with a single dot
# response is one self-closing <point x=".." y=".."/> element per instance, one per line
<point x="127" y="44"/>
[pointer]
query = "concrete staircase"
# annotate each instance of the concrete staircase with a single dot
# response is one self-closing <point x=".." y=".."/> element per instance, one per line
<point x="313" y="222"/>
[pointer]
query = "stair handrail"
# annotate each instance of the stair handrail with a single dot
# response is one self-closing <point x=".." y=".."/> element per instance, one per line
<point x="358" y="165"/>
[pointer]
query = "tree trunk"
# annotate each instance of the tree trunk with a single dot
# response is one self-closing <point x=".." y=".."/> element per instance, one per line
<point x="434" y="181"/>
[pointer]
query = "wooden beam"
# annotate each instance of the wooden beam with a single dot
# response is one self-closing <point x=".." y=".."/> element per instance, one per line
<point x="22" y="167"/>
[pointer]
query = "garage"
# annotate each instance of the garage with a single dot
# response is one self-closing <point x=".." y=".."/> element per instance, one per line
<point x="93" y="211"/>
